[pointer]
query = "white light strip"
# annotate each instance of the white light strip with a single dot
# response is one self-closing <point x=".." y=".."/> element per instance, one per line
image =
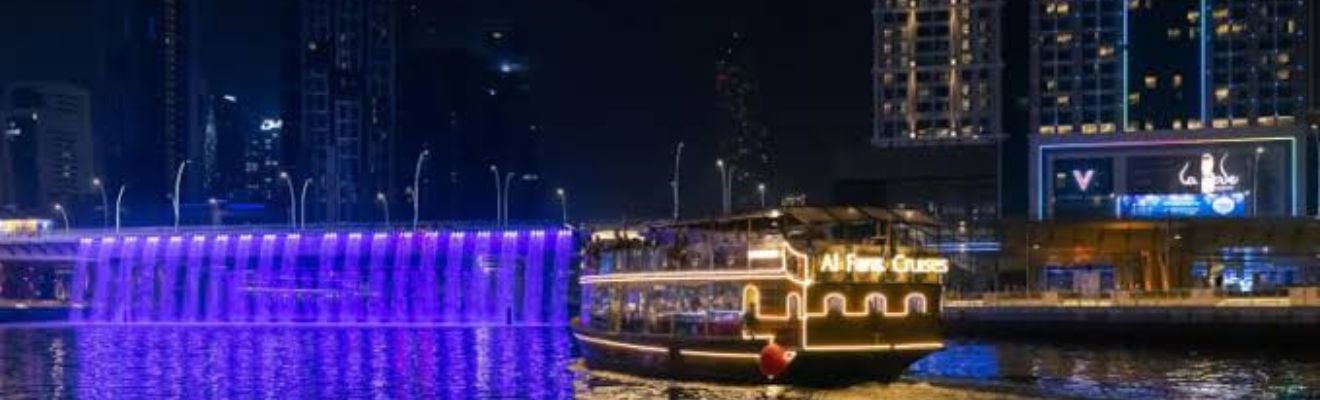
<point x="720" y="354"/>
<point x="765" y="254"/>
<point x="725" y="275"/>
<point x="622" y="345"/>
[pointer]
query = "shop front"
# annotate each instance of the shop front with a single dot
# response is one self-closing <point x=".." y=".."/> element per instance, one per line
<point x="1168" y="178"/>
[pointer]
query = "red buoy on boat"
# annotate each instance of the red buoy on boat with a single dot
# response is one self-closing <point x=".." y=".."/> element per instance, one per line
<point x="774" y="360"/>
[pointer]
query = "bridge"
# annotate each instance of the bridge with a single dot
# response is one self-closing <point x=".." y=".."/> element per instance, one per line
<point x="329" y="275"/>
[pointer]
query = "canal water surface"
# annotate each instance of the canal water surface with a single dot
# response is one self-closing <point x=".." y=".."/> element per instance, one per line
<point x="297" y="362"/>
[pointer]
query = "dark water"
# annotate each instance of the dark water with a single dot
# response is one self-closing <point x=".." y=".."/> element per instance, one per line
<point x="516" y="363"/>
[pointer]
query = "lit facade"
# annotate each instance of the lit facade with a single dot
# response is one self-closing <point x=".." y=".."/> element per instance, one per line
<point x="149" y="99"/>
<point x="748" y="146"/>
<point x="46" y="149"/>
<point x="1127" y="97"/>
<point x="1102" y="67"/>
<point x="938" y="71"/>
<point x="340" y="98"/>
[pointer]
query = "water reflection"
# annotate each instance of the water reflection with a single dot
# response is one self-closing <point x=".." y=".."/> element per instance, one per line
<point x="399" y="363"/>
<point x="1115" y="371"/>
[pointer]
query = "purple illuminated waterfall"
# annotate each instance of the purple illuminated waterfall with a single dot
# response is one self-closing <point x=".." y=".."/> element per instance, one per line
<point x="428" y="277"/>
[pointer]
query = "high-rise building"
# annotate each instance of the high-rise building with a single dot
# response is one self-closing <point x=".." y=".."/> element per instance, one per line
<point x="748" y="147"/>
<point x="1110" y="66"/>
<point x="149" y="99"/>
<point x="340" y="102"/>
<point x="1168" y="109"/>
<point x="46" y="149"/>
<point x="465" y="95"/>
<point x="937" y="71"/>
<point x="261" y="162"/>
<point x="229" y="127"/>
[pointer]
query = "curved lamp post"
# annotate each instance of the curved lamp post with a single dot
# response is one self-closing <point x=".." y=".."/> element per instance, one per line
<point x="726" y="185"/>
<point x="302" y="204"/>
<point x="678" y="157"/>
<point x="385" y="204"/>
<point x="288" y="181"/>
<point x="215" y="210"/>
<point x="178" y="180"/>
<point x="105" y="203"/>
<point x="760" y="190"/>
<point x="119" y="201"/>
<point x="416" y="190"/>
<point x="59" y="208"/>
<point x="499" y="198"/>
<point x="563" y="204"/>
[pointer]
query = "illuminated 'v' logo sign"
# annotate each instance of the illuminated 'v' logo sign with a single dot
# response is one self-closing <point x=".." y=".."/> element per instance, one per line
<point x="1083" y="178"/>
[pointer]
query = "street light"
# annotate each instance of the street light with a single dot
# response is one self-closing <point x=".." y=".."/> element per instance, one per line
<point x="421" y="157"/>
<point x="508" y="180"/>
<point x="678" y="157"/>
<point x="1255" y="181"/>
<point x="59" y="208"/>
<point x="726" y="185"/>
<point x="563" y="204"/>
<point x="499" y="199"/>
<point x="293" y="222"/>
<point x="215" y="210"/>
<point x="416" y="192"/>
<point x="178" y="180"/>
<point x="385" y="204"/>
<point x="302" y="204"/>
<point x="760" y="190"/>
<point x="119" y="201"/>
<point x="105" y="204"/>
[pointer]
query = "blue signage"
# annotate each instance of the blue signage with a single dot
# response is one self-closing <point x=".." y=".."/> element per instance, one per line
<point x="1218" y="205"/>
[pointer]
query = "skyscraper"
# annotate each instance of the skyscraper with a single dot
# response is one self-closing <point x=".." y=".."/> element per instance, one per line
<point x="46" y="150"/>
<point x="340" y="101"/>
<point x="1128" y="95"/>
<point x="748" y="147"/>
<point x="1109" y="66"/>
<point x="229" y="128"/>
<point x="261" y="162"/>
<point x="465" y="95"/>
<point x="937" y="71"/>
<point x="149" y="97"/>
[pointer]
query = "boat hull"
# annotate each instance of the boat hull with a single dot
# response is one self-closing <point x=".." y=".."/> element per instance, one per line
<point x="688" y="361"/>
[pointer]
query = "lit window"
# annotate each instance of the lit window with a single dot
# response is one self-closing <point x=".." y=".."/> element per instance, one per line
<point x="1151" y="81"/>
<point x="1134" y="98"/>
<point x="1221" y="94"/>
<point x="1177" y="81"/>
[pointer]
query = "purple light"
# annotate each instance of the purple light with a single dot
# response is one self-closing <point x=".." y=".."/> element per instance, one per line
<point x="426" y="277"/>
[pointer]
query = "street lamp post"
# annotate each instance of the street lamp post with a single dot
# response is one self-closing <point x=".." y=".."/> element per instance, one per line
<point x="726" y="185"/>
<point x="119" y="201"/>
<point x="563" y="204"/>
<point x="215" y="210"/>
<point x="678" y="157"/>
<point x="504" y="214"/>
<point x="105" y="203"/>
<point x="293" y="222"/>
<point x="760" y="190"/>
<point x="59" y="208"/>
<point x="302" y="204"/>
<point x="499" y="198"/>
<point x="178" y="180"/>
<point x="1255" y="181"/>
<point x="416" y="192"/>
<point x="385" y="205"/>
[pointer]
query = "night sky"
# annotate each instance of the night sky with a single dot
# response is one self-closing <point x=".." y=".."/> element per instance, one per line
<point x="615" y="83"/>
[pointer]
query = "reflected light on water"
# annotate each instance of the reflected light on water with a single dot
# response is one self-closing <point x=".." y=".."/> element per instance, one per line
<point x="295" y="362"/>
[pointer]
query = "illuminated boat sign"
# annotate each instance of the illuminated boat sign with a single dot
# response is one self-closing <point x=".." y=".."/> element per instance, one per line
<point x="854" y="263"/>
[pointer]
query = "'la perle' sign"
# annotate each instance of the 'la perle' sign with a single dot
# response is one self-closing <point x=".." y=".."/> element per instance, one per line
<point x="852" y="262"/>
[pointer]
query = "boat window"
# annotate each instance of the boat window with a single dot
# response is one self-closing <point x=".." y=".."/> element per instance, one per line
<point x="794" y="302"/>
<point x="916" y="303"/>
<point x="875" y="303"/>
<point x="834" y="304"/>
<point x="751" y="297"/>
